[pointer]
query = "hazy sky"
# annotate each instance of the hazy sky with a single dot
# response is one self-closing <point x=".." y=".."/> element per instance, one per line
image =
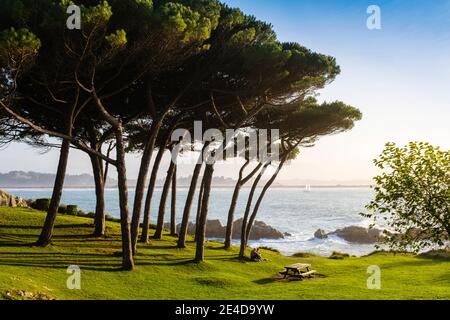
<point x="399" y="77"/>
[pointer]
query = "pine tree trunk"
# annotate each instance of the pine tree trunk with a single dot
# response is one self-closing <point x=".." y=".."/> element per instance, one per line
<point x="243" y="244"/>
<point x="47" y="230"/>
<point x="148" y="199"/>
<point x="187" y="207"/>
<point x="199" y="206"/>
<point x="140" y="184"/>
<point x="105" y="173"/>
<point x="201" y="226"/>
<point x="200" y="197"/>
<point x="162" y="204"/>
<point x="229" y="227"/>
<point x="237" y="189"/>
<point x="189" y="199"/>
<point x="173" y="204"/>
<point x="258" y="202"/>
<point x="127" y="256"/>
<point x="99" y="218"/>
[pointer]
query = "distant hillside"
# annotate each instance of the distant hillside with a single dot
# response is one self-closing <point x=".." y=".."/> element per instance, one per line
<point x="30" y="179"/>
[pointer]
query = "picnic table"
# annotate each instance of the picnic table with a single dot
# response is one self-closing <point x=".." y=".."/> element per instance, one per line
<point x="300" y="270"/>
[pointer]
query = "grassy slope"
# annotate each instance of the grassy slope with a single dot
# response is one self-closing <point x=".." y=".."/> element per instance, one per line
<point x="164" y="272"/>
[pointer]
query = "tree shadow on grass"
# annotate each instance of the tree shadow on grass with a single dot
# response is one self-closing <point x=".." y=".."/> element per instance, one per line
<point x="13" y="244"/>
<point x="87" y="261"/>
<point x="58" y="226"/>
<point x="264" y="281"/>
<point x="224" y="257"/>
<point x="172" y="262"/>
<point x="158" y="247"/>
<point x="16" y="226"/>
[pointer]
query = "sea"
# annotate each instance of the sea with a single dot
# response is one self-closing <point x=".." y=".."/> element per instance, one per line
<point x="298" y="211"/>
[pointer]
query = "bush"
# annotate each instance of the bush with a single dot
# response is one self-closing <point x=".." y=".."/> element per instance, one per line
<point x="269" y="249"/>
<point x="111" y="218"/>
<point x="83" y="214"/>
<point x="442" y="254"/>
<point x="72" y="209"/>
<point x="62" y="209"/>
<point x="303" y="255"/>
<point x="41" y="204"/>
<point x="339" y="255"/>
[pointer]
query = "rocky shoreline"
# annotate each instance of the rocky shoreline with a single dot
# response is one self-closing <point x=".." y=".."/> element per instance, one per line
<point x="353" y="234"/>
<point x="8" y="200"/>
<point x="215" y="229"/>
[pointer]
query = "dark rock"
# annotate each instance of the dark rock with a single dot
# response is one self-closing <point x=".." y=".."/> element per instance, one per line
<point x="357" y="234"/>
<point x="260" y="230"/>
<point x="320" y="234"/>
<point x="215" y="229"/>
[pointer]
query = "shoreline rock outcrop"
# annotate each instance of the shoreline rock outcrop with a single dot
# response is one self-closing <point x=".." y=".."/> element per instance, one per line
<point x="215" y="229"/>
<point x="8" y="200"/>
<point x="353" y="234"/>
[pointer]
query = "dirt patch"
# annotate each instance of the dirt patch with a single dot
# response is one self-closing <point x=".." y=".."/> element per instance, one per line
<point x="25" y="295"/>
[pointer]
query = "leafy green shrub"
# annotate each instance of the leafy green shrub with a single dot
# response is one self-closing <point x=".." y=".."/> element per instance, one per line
<point x="339" y="255"/>
<point x="41" y="204"/>
<point x="111" y="218"/>
<point x="62" y="209"/>
<point x="303" y="255"/>
<point x="72" y="209"/>
<point x="90" y="214"/>
<point x="269" y="249"/>
<point x="412" y="196"/>
<point x="442" y="254"/>
<point x="83" y="214"/>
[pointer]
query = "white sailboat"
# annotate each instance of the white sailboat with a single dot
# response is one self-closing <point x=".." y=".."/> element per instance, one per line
<point x="307" y="188"/>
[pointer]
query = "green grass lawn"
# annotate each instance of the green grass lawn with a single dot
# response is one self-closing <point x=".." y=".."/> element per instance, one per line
<point x="165" y="272"/>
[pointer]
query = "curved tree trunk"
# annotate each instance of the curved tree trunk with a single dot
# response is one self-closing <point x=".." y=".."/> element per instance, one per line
<point x="258" y="202"/>
<point x="127" y="256"/>
<point x="234" y="198"/>
<point x="201" y="225"/>
<point x="148" y="199"/>
<point x="189" y="199"/>
<point x="241" y="181"/>
<point x="99" y="218"/>
<point x="142" y="178"/>
<point x="162" y="203"/>
<point x="105" y="173"/>
<point x="243" y="244"/>
<point x="47" y="230"/>
<point x="173" y="204"/>
<point x="199" y="207"/>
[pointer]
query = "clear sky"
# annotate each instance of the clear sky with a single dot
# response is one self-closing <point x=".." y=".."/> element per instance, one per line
<point x="399" y="77"/>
